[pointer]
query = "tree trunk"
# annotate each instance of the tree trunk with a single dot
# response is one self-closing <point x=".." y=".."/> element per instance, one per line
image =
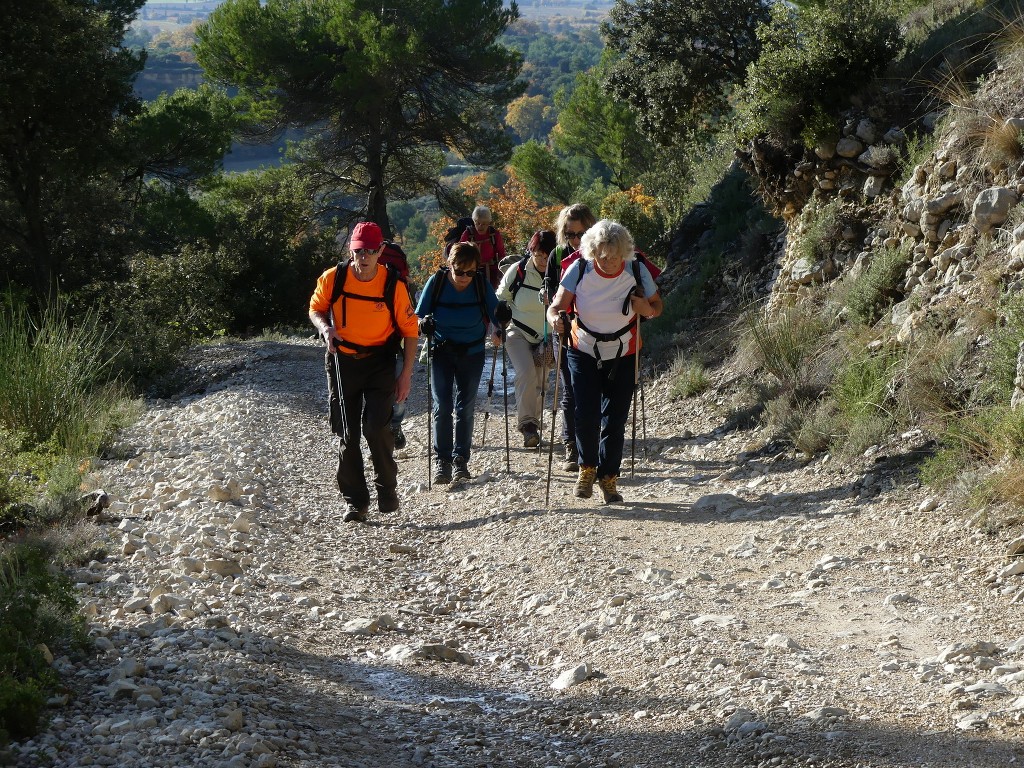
<point x="376" y="202"/>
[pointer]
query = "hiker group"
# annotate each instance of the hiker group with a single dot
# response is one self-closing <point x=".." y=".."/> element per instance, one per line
<point x="574" y="301"/>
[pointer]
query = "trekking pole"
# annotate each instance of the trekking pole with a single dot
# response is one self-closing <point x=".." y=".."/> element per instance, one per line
<point x="554" y="406"/>
<point x="430" y="413"/>
<point x="490" y="396"/>
<point x="336" y="367"/>
<point x="643" y="405"/>
<point x="341" y="396"/>
<point x="543" y="371"/>
<point x="636" y="378"/>
<point x="504" y="387"/>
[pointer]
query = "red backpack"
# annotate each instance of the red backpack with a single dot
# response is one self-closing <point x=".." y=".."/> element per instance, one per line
<point x="393" y="256"/>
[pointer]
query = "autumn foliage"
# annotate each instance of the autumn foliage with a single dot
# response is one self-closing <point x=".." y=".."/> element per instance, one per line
<point x="516" y="214"/>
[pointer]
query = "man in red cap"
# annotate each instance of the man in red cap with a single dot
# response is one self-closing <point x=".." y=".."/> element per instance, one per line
<point x="363" y="311"/>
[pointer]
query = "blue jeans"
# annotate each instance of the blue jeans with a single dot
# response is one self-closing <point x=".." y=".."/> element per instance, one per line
<point x="603" y="396"/>
<point x="455" y="380"/>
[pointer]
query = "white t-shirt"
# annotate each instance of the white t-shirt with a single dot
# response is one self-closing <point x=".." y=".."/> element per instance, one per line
<point x="600" y="299"/>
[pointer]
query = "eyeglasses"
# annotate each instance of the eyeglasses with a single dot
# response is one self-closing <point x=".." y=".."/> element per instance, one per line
<point x="573" y="235"/>
<point x="363" y="251"/>
<point x="464" y="272"/>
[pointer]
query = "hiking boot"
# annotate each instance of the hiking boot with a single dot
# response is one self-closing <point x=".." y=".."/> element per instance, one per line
<point x="399" y="435"/>
<point x="585" y="482"/>
<point x="572" y="459"/>
<point x="443" y="473"/>
<point x="531" y="436"/>
<point x="355" y="515"/>
<point x="461" y="470"/>
<point x="611" y="496"/>
<point x="387" y="503"/>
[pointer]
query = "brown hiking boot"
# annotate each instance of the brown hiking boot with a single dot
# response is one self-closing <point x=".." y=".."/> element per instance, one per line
<point x="585" y="482"/>
<point x="531" y="436"/>
<point x="611" y="496"/>
<point x="572" y="459"/>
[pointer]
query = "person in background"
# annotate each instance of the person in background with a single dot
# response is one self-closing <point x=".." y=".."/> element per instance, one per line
<point x="363" y="334"/>
<point x="456" y="307"/>
<point x="488" y="241"/>
<point x="528" y="340"/>
<point x="610" y="296"/>
<point x="572" y="223"/>
<point x="393" y="256"/>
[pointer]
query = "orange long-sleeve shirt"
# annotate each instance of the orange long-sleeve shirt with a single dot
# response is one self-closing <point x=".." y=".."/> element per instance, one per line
<point x="367" y="323"/>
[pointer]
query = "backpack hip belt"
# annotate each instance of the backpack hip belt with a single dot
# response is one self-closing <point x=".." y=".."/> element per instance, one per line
<point x="460" y="350"/>
<point x="527" y="329"/>
<point x="604" y="337"/>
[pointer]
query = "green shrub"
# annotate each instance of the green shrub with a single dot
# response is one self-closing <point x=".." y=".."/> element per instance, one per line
<point x="1001" y="357"/>
<point x="640" y="214"/>
<point x="784" y="341"/>
<point x="37" y="607"/>
<point x="810" y="56"/>
<point x="864" y="392"/>
<point x="687" y="377"/>
<point x="920" y="147"/>
<point x="875" y="289"/>
<point x="822" y="229"/>
<point x="55" y="378"/>
<point x="982" y="436"/>
<point x="21" y="708"/>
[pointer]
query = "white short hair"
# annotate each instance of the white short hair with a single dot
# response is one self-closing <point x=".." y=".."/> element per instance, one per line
<point x="482" y="213"/>
<point x="608" y="235"/>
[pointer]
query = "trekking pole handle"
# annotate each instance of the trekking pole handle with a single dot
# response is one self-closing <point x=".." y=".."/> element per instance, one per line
<point x="563" y="320"/>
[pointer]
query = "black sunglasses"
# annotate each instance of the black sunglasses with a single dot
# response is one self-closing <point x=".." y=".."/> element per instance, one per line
<point x="573" y="235"/>
<point x="464" y="272"/>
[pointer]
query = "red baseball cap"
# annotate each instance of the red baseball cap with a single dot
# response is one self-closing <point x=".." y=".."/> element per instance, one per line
<point x="366" y="235"/>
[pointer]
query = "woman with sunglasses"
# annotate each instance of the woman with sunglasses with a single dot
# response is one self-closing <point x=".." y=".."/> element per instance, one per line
<point x="572" y="223"/>
<point x="455" y="309"/>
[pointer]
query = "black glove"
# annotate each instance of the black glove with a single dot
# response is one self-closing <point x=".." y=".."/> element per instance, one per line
<point x="503" y="313"/>
<point x="546" y="292"/>
<point x="427" y="325"/>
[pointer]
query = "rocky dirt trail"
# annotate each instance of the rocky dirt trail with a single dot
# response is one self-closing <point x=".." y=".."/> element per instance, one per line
<point x="743" y="607"/>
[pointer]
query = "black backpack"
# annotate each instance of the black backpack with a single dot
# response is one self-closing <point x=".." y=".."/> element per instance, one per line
<point x="454" y="234"/>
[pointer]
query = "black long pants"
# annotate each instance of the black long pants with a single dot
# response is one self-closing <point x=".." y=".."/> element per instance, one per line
<point x="368" y="394"/>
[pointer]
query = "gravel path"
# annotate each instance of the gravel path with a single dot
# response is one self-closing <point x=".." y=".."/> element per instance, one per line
<point x="743" y="607"/>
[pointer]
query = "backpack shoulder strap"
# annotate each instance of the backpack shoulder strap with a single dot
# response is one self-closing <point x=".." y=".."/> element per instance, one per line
<point x="340" y="273"/>
<point x="390" y="286"/>
<point x="478" y="281"/>
<point x="520" y="278"/>
<point x="583" y="271"/>
<point x="439" y="278"/>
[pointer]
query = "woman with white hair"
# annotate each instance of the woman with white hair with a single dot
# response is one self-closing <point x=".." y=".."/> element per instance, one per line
<point x="608" y="291"/>
<point x="489" y="242"/>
